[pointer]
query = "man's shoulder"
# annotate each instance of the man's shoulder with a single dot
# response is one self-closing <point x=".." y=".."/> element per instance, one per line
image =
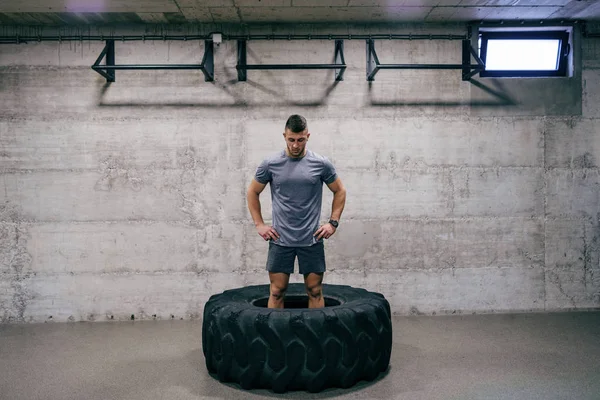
<point x="311" y="155"/>
<point x="273" y="157"/>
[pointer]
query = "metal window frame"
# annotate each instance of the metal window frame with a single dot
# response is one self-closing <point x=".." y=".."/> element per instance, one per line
<point x="242" y="65"/>
<point x="468" y="69"/>
<point x="562" y="56"/>
<point x="108" y="69"/>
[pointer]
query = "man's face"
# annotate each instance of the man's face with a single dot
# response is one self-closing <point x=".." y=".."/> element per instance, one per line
<point x="296" y="142"/>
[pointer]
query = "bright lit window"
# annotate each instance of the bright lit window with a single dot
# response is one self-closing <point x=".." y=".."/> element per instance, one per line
<point x="530" y="54"/>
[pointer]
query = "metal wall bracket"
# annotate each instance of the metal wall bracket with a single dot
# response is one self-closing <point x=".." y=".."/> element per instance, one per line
<point x="339" y="66"/>
<point x="107" y="70"/>
<point x="468" y="69"/>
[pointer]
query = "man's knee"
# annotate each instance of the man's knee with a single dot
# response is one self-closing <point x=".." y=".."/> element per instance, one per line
<point x="278" y="290"/>
<point x="314" y="290"/>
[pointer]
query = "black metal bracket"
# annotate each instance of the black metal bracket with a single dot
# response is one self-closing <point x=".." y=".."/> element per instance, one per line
<point x="468" y="69"/>
<point x="339" y="66"/>
<point x="107" y="70"/>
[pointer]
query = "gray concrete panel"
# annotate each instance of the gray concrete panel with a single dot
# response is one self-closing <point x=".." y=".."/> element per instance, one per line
<point x="572" y="143"/>
<point x="397" y="245"/>
<point x="100" y="248"/>
<point x="445" y="193"/>
<point x="590" y="93"/>
<point x="134" y="143"/>
<point x="118" y="193"/>
<point x="572" y="262"/>
<point x="573" y="193"/>
<point x="84" y="297"/>
<point x="417" y="291"/>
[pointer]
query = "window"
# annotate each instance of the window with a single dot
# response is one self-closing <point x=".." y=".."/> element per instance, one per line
<point x="524" y="54"/>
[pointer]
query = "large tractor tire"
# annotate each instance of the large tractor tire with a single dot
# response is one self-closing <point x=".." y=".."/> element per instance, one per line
<point x="297" y="348"/>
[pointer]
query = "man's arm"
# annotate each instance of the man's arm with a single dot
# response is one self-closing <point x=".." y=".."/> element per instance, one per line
<point x="337" y="206"/>
<point x="339" y="198"/>
<point x="253" y="198"/>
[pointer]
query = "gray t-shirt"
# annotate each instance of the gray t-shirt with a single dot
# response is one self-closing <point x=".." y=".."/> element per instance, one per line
<point x="296" y="193"/>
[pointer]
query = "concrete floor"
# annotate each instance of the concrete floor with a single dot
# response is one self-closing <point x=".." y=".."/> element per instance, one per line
<point x="520" y="356"/>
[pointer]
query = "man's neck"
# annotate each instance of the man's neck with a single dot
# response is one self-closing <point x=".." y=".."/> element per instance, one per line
<point x="287" y="152"/>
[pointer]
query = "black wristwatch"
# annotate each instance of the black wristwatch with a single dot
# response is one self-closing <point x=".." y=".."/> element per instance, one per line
<point x="334" y="223"/>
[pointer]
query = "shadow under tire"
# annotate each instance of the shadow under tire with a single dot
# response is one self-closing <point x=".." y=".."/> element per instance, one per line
<point x="297" y="348"/>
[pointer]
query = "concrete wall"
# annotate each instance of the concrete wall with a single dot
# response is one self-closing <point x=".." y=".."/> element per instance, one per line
<point x="129" y="198"/>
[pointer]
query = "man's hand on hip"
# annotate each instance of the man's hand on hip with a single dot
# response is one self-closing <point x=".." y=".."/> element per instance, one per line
<point x="267" y="232"/>
<point x="325" y="231"/>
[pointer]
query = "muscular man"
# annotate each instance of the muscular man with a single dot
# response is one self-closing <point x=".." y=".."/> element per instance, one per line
<point x="296" y="176"/>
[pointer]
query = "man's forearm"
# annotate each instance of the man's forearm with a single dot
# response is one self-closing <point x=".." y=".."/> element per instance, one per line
<point x="254" y="208"/>
<point x="337" y="206"/>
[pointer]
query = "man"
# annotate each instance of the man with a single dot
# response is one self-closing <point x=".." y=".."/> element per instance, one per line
<point x="296" y="176"/>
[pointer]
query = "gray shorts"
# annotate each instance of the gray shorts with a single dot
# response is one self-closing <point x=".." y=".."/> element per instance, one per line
<point x="310" y="258"/>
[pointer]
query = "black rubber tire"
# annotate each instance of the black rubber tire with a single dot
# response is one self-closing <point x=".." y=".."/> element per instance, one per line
<point x="297" y="348"/>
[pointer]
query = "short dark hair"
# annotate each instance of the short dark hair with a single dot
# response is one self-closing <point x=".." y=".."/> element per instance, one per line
<point x="296" y="123"/>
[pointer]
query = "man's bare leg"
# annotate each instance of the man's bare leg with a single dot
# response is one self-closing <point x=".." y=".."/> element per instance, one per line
<point x="279" y="284"/>
<point x="314" y="288"/>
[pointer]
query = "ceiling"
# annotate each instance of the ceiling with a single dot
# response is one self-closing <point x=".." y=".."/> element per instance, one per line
<point x="99" y="12"/>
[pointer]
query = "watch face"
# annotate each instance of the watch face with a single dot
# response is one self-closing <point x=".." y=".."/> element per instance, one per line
<point x="334" y="223"/>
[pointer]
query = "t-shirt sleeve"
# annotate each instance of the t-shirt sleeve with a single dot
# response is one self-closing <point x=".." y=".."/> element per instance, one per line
<point x="263" y="175"/>
<point x="328" y="175"/>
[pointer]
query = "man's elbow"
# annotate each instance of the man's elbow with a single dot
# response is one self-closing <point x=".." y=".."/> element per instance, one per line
<point x="340" y="193"/>
<point x="252" y="193"/>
